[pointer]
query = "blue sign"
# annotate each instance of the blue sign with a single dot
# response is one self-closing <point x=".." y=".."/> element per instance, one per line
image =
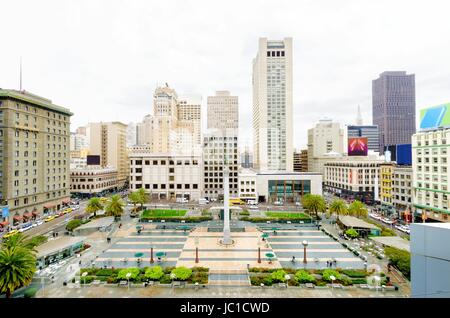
<point x="5" y="211"/>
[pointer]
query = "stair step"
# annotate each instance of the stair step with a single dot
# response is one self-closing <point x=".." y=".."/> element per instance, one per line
<point x="228" y="271"/>
<point x="228" y="283"/>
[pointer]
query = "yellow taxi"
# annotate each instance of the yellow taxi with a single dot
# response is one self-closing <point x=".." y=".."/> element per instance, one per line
<point x="10" y="233"/>
<point x="50" y="218"/>
<point x="68" y="210"/>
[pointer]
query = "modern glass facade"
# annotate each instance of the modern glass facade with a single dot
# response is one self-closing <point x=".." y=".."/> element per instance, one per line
<point x="288" y="190"/>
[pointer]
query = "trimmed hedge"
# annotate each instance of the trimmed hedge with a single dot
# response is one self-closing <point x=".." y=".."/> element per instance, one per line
<point x="30" y="292"/>
<point x="178" y="219"/>
<point x="281" y="220"/>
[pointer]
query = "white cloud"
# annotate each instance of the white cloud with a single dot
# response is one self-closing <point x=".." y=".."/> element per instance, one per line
<point x="102" y="59"/>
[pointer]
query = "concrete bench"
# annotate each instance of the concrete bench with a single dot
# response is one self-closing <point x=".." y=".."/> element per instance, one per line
<point x="389" y="288"/>
<point x="282" y="285"/>
<point x="336" y="285"/>
<point x="309" y="285"/>
<point x="364" y="286"/>
<point x="96" y="282"/>
<point x="123" y="283"/>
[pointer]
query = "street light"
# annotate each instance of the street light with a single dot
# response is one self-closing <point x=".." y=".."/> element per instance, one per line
<point x="84" y="275"/>
<point x="128" y="279"/>
<point x="305" y="244"/>
<point x="196" y="248"/>
<point x="332" y="282"/>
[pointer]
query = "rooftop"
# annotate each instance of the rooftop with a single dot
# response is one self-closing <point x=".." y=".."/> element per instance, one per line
<point x="351" y="221"/>
<point x="97" y="223"/>
<point x="58" y="244"/>
<point x="25" y="96"/>
<point x="393" y="241"/>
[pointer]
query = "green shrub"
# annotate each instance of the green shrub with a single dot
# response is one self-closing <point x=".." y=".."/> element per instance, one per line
<point x="256" y="280"/>
<point x="165" y="279"/>
<point x="182" y="273"/>
<point x="320" y="283"/>
<point x="30" y="292"/>
<point x="330" y="272"/>
<point x="200" y="269"/>
<point x="104" y="272"/>
<point x="154" y="273"/>
<point x="133" y="270"/>
<point x="304" y="277"/>
<point x="86" y="279"/>
<point x="352" y="233"/>
<point x="244" y="213"/>
<point x="344" y="280"/>
<point x="73" y="224"/>
<point x="199" y="277"/>
<point x="169" y="269"/>
<point x="267" y="281"/>
<point x="359" y="281"/>
<point x="278" y="276"/>
<point x="400" y="259"/>
<point x="353" y="273"/>
<point x="387" y="232"/>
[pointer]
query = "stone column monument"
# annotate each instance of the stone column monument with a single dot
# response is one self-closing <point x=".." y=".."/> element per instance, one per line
<point x="226" y="207"/>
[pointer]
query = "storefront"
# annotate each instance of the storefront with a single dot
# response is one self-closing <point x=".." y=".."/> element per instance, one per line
<point x="287" y="187"/>
<point x="58" y="249"/>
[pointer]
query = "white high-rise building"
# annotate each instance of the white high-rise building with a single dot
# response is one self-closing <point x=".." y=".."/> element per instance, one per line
<point x="223" y="111"/>
<point x="272" y="106"/>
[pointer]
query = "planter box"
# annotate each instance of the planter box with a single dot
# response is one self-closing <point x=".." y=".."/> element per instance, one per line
<point x="321" y="287"/>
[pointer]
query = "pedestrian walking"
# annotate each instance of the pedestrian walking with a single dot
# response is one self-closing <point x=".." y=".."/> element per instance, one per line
<point x="293" y="259"/>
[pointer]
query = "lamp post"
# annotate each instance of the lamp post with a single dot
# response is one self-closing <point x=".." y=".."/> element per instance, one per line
<point x="332" y="282"/>
<point x="196" y="249"/>
<point x="128" y="279"/>
<point x="151" y="255"/>
<point x="305" y="244"/>
<point x="84" y="276"/>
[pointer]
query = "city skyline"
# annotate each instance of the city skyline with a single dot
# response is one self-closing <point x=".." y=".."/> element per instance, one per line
<point x="111" y="71"/>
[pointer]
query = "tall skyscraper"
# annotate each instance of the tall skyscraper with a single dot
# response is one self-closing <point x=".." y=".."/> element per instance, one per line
<point x="34" y="156"/>
<point x="394" y="108"/>
<point x="108" y="140"/>
<point x="272" y="106"/>
<point x="189" y="117"/>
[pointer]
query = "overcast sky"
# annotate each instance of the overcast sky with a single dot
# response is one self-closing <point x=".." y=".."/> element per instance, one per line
<point x="103" y="59"/>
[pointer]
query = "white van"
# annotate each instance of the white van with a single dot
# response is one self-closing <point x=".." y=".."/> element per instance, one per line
<point x="202" y="201"/>
<point x="182" y="200"/>
<point x="252" y="202"/>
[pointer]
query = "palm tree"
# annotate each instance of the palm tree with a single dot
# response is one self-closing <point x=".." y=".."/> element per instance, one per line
<point x="115" y="205"/>
<point x="94" y="205"/>
<point x="338" y="207"/>
<point x="17" y="263"/>
<point x="135" y="198"/>
<point x="314" y="203"/>
<point x="358" y="209"/>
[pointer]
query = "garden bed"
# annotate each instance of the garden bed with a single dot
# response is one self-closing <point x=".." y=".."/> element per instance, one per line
<point x="319" y="278"/>
<point x="164" y="213"/>
<point x="146" y="274"/>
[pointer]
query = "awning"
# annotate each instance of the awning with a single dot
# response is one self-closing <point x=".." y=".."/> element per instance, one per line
<point x="66" y="201"/>
<point x="17" y="218"/>
<point x="35" y="213"/>
<point x="49" y="205"/>
<point x="4" y="223"/>
<point x="27" y="215"/>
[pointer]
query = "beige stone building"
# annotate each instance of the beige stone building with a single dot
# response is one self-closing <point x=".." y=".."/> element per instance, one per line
<point x="325" y="138"/>
<point x="166" y="176"/>
<point x="174" y="126"/>
<point x="34" y="155"/>
<point x="223" y="111"/>
<point x="108" y="140"/>
<point x="93" y="180"/>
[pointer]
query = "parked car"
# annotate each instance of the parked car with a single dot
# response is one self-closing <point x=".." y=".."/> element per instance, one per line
<point x="50" y="218"/>
<point x="39" y="222"/>
<point x="202" y="201"/>
<point x="278" y="203"/>
<point x="182" y="200"/>
<point x="25" y="227"/>
<point x="10" y="233"/>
